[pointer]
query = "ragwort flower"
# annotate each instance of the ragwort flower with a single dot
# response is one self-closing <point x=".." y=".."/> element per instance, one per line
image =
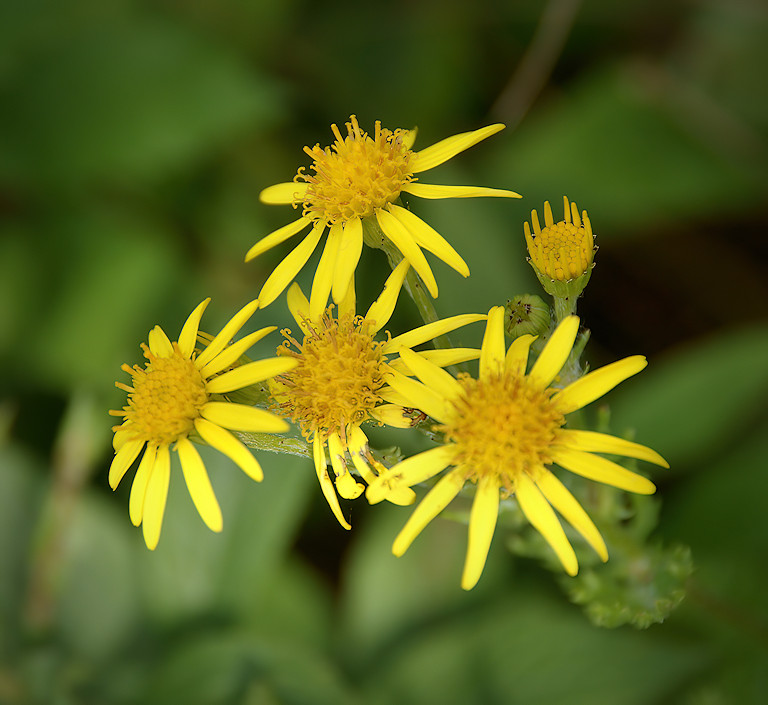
<point x="341" y="381"/>
<point x="361" y="177"/>
<point x="178" y="392"/>
<point x="502" y="431"/>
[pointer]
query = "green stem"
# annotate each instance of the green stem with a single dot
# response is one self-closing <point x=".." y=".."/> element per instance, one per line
<point x="564" y="307"/>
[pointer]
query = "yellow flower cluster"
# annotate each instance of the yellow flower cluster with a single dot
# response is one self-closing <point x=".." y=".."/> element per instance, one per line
<point x="497" y="437"/>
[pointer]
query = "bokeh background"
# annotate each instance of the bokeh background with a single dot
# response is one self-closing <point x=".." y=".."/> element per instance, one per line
<point x="134" y="140"/>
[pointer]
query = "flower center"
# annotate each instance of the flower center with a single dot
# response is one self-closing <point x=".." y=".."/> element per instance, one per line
<point x="502" y="427"/>
<point x="166" y="397"/>
<point x="336" y="382"/>
<point x="356" y="175"/>
<point x="563" y="251"/>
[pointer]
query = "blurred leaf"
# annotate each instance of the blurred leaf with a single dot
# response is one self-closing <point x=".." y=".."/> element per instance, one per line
<point x="697" y="398"/>
<point x="125" y="98"/>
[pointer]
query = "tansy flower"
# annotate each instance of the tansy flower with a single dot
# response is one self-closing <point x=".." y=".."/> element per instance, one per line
<point x="361" y="177"/>
<point x="341" y="381"/>
<point x="177" y="393"/>
<point x="502" y="433"/>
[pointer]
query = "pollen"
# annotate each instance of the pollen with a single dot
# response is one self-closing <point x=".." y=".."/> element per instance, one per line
<point x="356" y="175"/>
<point x="336" y="383"/>
<point x="562" y="251"/>
<point x="503" y="426"/>
<point x="165" y="399"/>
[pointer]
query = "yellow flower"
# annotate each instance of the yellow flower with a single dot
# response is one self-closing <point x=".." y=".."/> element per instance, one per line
<point x="360" y="178"/>
<point x="342" y="380"/>
<point x="177" y="393"/>
<point x="501" y="433"/>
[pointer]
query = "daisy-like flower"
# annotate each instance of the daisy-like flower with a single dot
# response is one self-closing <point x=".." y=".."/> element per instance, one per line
<point x="502" y="432"/>
<point x="361" y="177"/>
<point x="341" y="380"/>
<point x="178" y="392"/>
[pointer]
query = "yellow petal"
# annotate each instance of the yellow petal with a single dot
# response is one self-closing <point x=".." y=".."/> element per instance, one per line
<point x="199" y="485"/>
<point x="482" y="524"/>
<point x="251" y="373"/>
<point x="437" y="499"/>
<point x="240" y="417"/>
<point x="429" y="239"/>
<point x="347" y="257"/>
<point x="555" y="352"/>
<point x="347" y="305"/>
<point x="159" y="345"/>
<point x="154" y="501"/>
<point x="276" y="237"/>
<point x="221" y="340"/>
<point x="232" y="353"/>
<point x="543" y="518"/>
<point x="139" y="486"/>
<point x="422" y="334"/>
<point x="433" y="191"/>
<point x="437" y="379"/>
<point x="404" y="241"/>
<point x="419" y="396"/>
<point x="448" y="148"/>
<point x="593" y="442"/>
<point x="450" y="356"/>
<point x="516" y="359"/>
<point x="381" y="309"/>
<point x="391" y="415"/>
<point x="286" y="271"/>
<point x="326" y="484"/>
<point x="492" y="349"/>
<point x="565" y="503"/>
<point x="593" y="385"/>
<point x="223" y="441"/>
<point x="123" y="460"/>
<point x="188" y="334"/>
<point x="323" y="281"/>
<point x="298" y="305"/>
<point x="593" y="467"/>
<point x="284" y="194"/>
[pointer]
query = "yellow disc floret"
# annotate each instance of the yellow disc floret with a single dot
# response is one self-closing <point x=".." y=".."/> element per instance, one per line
<point x="562" y="251"/>
<point x="503" y="426"/>
<point x="335" y="385"/>
<point x="165" y="399"/>
<point x="356" y="175"/>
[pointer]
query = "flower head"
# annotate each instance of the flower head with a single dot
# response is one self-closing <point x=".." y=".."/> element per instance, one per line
<point x="341" y="380"/>
<point x="502" y="431"/>
<point x="361" y="177"/>
<point x="561" y="253"/>
<point x="180" y="392"/>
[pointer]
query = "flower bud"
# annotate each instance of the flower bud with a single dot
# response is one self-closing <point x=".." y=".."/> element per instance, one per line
<point x="526" y="314"/>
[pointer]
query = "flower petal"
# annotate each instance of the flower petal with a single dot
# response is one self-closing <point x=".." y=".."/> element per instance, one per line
<point x="251" y="373"/>
<point x="565" y="503"/>
<point x="391" y="415"/>
<point x="154" y="501"/>
<point x="188" y="334"/>
<point x="448" y="148"/>
<point x="596" y="383"/>
<point x="223" y="441"/>
<point x="437" y="499"/>
<point x="381" y="309"/>
<point x="541" y="515"/>
<point x="232" y="353"/>
<point x="123" y="460"/>
<point x="437" y="379"/>
<point x="594" y="467"/>
<point x="419" y="396"/>
<point x="199" y="485"/>
<point x="347" y="257"/>
<point x="159" y="344"/>
<point x="404" y="241"/>
<point x="139" y="486"/>
<point x="482" y="524"/>
<point x="289" y="267"/>
<point x="433" y="191"/>
<point x="422" y="334"/>
<point x="323" y="281"/>
<point x="593" y="442"/>
<point x="492" y="349"/>
<point x="298" y="305"/>
<point x="276" y="237"/>
<point x="326" y="484"/>
<point x="429" y="239"/>
<point x="555" y="352"/>
<point x="283" y="194"/>
<point x="241" y="417"/>
<point x="450" y="356"/>
<point x="221" y="340"/>
<point x="516" y="359"/>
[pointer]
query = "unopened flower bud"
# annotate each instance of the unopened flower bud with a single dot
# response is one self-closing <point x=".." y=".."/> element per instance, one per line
<point x="526" y="314"/>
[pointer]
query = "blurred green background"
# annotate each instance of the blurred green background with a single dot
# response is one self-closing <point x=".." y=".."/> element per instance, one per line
<point x="134" y="139"/>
